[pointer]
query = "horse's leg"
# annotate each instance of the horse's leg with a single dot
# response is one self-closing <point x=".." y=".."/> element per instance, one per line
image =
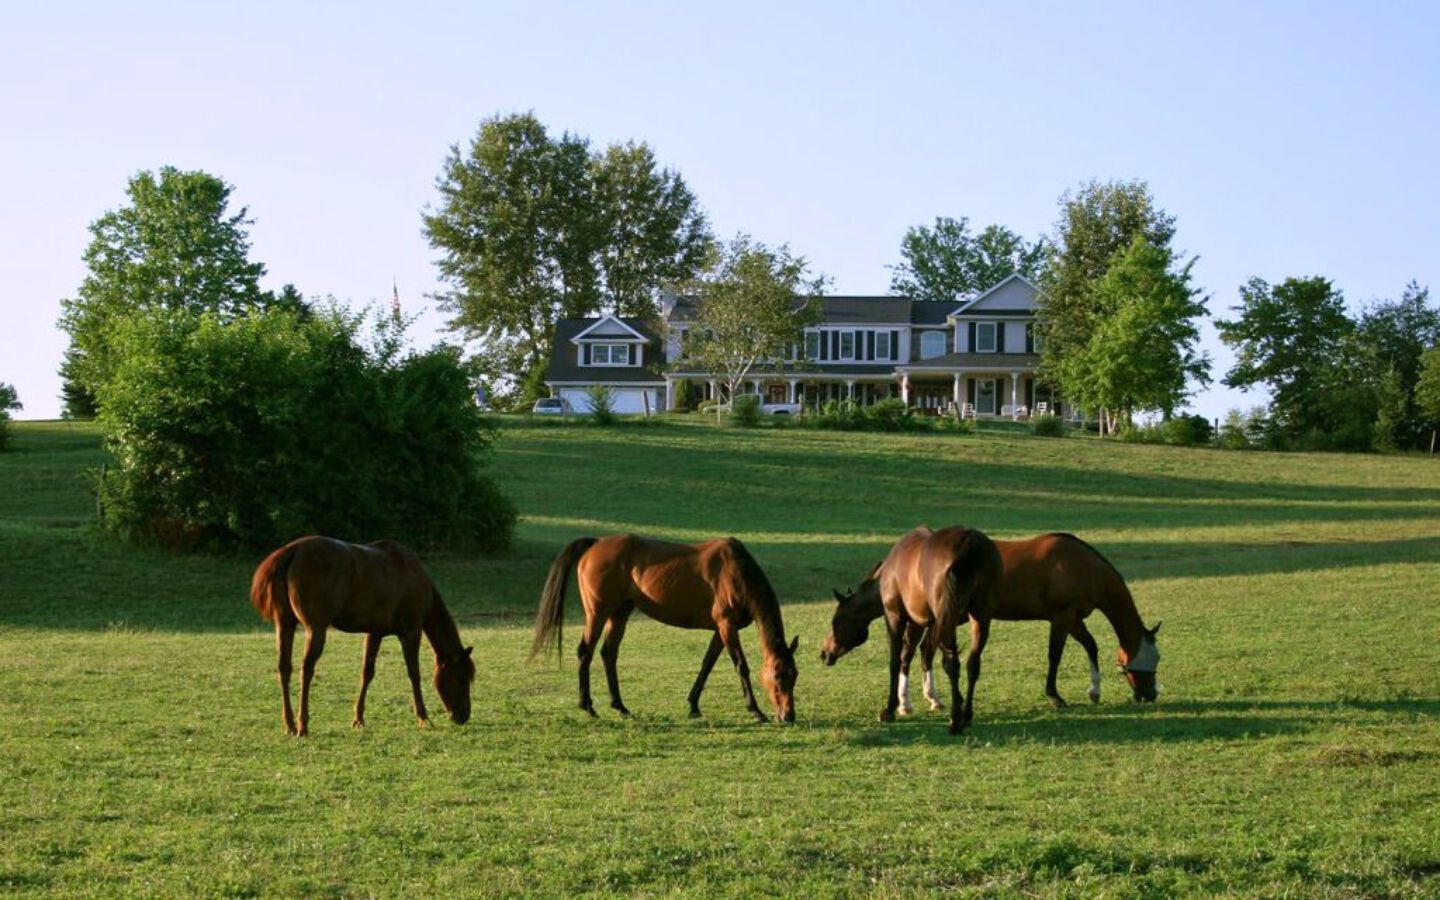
<point x="927" y="663"/>
<point x="708" y="663"/>
<point x="410" y="646"/>
<point x="1087" y="640"/>
<point x="314" y="646"/>
<point x="731" y="637"/>
<point x="367" y="672"/>
<point x="950" y="659"/>
<point x="1059" y="630"/>
<point x="913" y="633"/>
<point x="979" y="634"/>
<point x="284" y="649"/>
<point x="895" y="631"/>
<point x="609" y="652"/>
<point x="586" y="652"/>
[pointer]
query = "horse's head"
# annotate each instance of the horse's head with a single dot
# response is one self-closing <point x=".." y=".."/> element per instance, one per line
<point x="1140" y="669"/>
<point x="452" y="683"/>
<point x="778" y="678"/>
<point x="850" y="627"/>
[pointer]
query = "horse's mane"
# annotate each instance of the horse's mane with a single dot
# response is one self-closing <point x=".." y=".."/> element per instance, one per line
<point x="759" y="594"/>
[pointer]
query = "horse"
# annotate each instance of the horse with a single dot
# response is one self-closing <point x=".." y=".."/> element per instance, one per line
<point x="715" y="586"/>
<point x="930" y="579"/>
<point x="373" y="589"/>
<point x="1059" y="578"/>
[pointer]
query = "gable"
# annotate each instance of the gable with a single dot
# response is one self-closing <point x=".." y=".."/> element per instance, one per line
<point x="1013" y="294"/>
<point x="609" y="328"/>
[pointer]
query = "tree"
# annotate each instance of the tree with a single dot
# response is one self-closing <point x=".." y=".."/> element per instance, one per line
<point x="655" y="234"/>
<point x="1392" y="336"/>
<point x="948" y="262"/>
<point x="1142" y="356"/>
<point x="176" y="245"/>
<point x="1097" y="224"/>
<point x="532" y="229"/>
<point x="9" y="400"/>
<point x="1297" y="340"/>
<point x="753" y="304"/>
<point x="1427" y="391"/>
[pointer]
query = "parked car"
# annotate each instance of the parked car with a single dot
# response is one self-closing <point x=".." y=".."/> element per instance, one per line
<point x="551" y="406"/>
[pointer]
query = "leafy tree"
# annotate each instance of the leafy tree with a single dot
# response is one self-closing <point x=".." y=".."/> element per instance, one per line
<point x="9" y="400"/>
<point x="655" y="234"/>
<point x="1097" y="224"/>
<point x="1143" y="355"/>
<point x="175" y="245"/>
<point x="753" y="304"/>
<point x="949" y="262"/>
<point x="1296" y="339"/>
<point x="1392" y="337"/>
<point x="532" y="228"/>
<point x="1427" y="391"/>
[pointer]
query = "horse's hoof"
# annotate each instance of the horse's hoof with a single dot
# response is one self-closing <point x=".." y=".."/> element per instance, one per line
<point x="422" y="723"/>
<point x="358" y="723"/>
<point x="620" y="708"/>
<point x="760" y="716"/>
<point x="694" y="712"/>
<point x="936" y="705"/>
<point x="887" y="715"/>
<point x="1058" y="702"/>
<point x="906" y="710"/>
<point x="1094" y="696"/>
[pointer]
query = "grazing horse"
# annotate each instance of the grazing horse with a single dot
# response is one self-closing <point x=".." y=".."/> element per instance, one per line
<point x="1061" y="579"/>
<point x="930" y="579"/>
<point x="715" y="586"/>
<point x="374" y="589"/>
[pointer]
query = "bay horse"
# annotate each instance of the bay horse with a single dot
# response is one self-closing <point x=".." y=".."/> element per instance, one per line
<point x="714" y="586"/>
<point x="1061" y="579"/>
<point x="930" y="580"/>
<point x="374" y="589"/>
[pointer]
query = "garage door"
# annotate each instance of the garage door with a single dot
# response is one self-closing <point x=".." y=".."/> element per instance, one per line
<point x="627" y="400"/>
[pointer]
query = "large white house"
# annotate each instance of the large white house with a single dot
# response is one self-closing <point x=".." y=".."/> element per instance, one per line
<point x="977" y="357"/>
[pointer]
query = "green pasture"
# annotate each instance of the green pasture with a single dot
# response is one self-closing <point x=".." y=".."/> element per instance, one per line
<point x="1295" y="749"/>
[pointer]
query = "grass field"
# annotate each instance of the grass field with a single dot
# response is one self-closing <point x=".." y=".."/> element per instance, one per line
<point x="1295" y="749"/>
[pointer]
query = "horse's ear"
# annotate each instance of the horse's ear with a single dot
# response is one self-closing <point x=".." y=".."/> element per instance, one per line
<point x="1156" y="630"/>
<point x="795" y="644"/>
<point x="839" y="597"/>
<point x="469" y="650"/>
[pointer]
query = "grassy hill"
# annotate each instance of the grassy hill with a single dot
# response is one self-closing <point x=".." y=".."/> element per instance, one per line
<point x="1292" y="750"/>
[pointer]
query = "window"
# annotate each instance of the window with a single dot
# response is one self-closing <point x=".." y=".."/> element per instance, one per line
<point x="985" y="337"/>
<point x="610" y="355"/>
<point x="812" y="345"/>
<point x="847" y="345"/>
<point x="1037" y="340"/>
<point x="882" y="345"/>
<point x="932" y="344"/>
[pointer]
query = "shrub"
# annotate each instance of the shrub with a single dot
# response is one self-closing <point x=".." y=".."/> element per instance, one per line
<point x="9" y="400"/>
<point x="602" y="404"/>
<point x="250" y="432"/>
<point x="745" y="411"/>
<point x="1048" y="426"/>
<point x="686" y="396"/>
<point x="840" y="415"/>
<point x="1187" y="431"/>
<point x="888" y="415"/>
<point x="1234" y="431"/>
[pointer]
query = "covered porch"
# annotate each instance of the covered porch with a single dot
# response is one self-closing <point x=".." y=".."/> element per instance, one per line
<point x="1011" y="394"/>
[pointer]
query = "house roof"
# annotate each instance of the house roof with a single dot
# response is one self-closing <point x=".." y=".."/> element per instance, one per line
<point x="835" y="309"/>
<point x="565" y="364"/>
<point x="975" y="361"/>
<point x="593" y="331"/>
<point x="960" y="310"/>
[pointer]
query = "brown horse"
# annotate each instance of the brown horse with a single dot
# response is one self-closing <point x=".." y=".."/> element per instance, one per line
<point x="1061" y="579"/>
<point x="930" y="579"/>
<point x="715" y="586"/>
<point x="374" y="589"/>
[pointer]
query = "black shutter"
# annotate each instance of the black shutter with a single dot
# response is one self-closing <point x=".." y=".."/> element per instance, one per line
<point x="971" y="345"/>
<point x="585" y="354"/>
<point x="1029" y="337"/>
<point x="834" y="345"/>
<point x="869" y="345"/>
<point x="999" y="337"/>
<point x="1030" y="394"/>
<point x="970" y="388"/>
<point x="894" y="345"/>
<point x="824" y="343"/>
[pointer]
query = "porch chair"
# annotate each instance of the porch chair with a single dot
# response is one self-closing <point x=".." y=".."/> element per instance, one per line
<point x="1042" y="408"/>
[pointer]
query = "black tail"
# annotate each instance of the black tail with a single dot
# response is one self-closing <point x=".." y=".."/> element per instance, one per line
<point x="551" y="617"/>
<point x="974" y="573"/>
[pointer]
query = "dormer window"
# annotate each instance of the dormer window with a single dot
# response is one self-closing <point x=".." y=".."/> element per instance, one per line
<point x="985" y="337"/>
<point x="610" y="355"/>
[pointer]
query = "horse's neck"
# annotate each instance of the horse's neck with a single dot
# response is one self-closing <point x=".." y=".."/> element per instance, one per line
<point x="440" y="629"/>
<point x="1119" y="608"/>
<point x="766" y="614"/>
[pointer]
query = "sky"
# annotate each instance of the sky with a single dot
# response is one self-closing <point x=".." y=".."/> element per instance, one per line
<point x="1288" y="139"/>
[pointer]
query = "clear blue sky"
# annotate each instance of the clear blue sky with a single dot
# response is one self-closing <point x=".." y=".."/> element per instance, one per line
<point x="1288" y="139"/>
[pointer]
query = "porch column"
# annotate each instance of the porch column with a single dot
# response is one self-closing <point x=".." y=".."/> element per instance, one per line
<point x="1014" y="396"/>
<point x="794" y="396"/>
<point x="905" y="388"/>
<point x="957" y="393"/>
<point x="759" y="384"/>
<point x="850" y="388"/>
<point x="670" y="393"/>
<point x="714" y="390"/>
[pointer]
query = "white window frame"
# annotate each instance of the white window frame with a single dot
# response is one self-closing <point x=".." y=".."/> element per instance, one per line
<point x="609" y="353"/>
<point x="980" y="337"/>
<point x="851" y="355"/>
<point x="1037" y="339"/>
<point x="926" y="336"/>
<point x="883" y="349"/>
<point x="812" y="351"/>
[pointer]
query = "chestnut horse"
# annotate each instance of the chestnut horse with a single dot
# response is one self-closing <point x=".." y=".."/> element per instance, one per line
<point x="715" y="586"/>
<point x="930" y="579"/>
<point x="1061" y="579"/>
<point x="374" y="589"/>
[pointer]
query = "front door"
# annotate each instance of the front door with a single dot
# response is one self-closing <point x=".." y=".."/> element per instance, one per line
<point x="775" y="393"/>
<point x="985" y="397"/>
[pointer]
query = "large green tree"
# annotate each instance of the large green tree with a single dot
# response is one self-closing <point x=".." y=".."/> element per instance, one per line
<point x="1393" y="336"/>
<point x="1098" y="223"/>
<point x="9" y="400"/>
<point x="532" y="228"/>
<point x="1427" y="392"/>
<point x="175" y="245"/>
<point x="948" y="262"/>
<point x="1142" y="356"/>
<point x="752" y="305"/>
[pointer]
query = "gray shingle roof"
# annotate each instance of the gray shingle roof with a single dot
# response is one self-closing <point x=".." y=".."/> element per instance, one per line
<point x="565" y="363"/>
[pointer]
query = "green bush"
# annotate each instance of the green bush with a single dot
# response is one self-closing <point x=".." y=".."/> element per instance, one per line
<point x="9" y="399"/>
<point x="888" y="415"/>
<point x="840" y="415"/>
<point x="1187" y="431"/>
<point x="602" y="404"/>
<point x="251" y="432"/>
<point x="1047" y="426"/>
<point x="745" y="411"/>
<point x="1234" y="432"/>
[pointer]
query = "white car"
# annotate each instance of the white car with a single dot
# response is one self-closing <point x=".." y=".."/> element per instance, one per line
<point x="551" y="406"/>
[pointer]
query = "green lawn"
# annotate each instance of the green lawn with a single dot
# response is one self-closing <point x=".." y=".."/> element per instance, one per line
<point x="1295" y="749"/>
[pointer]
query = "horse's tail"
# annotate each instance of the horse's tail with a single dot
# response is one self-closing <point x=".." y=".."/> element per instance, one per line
<point x="973" y="576"/>
<point x="268" y="591"/>
<point x="549" y="620"/>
